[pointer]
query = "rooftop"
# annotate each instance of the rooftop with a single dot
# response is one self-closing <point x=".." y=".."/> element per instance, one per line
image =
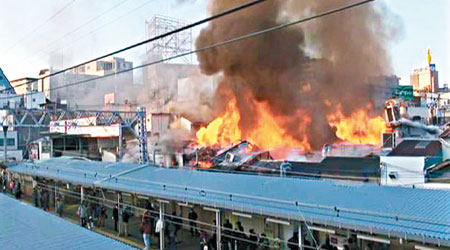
<point x="417" y="147"/>
<point x="396" y="211"/>
<point x="25" y="227"/>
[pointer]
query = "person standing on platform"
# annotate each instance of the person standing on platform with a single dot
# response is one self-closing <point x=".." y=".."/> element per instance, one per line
<point x="115" y="216"/>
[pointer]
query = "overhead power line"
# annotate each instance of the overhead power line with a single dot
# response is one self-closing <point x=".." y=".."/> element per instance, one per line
<point x="208" y="19"/>
<point x="72" y="41"/>
<point x="28" y="35"/>
<point x="233" y="40"/>
<point x="80" y="27"/>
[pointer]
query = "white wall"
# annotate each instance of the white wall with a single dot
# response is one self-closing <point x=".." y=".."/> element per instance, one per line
<point x="409" y="170"/>
<point x="32" y="101"/>
<point x="159" y="123"/>
<point x="16" y="154"/>
<point x="445" y="149"/>
<point x="423" y="112"/>
<point x="9" y="100"/>
<point x="80" y="127"/>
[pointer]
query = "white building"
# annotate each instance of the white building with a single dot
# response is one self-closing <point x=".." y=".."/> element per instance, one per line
<point x="105" y="66"/>
<point x="25" y="85"/>
<point x="87" y="82"/>
<point x="425" y="79"/>
<point x="406" y="164"/>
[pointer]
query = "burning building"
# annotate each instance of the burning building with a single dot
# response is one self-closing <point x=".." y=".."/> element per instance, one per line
<point x="299" y="87"/>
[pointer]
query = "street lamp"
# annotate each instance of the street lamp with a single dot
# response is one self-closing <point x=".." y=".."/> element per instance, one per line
<point x="5" y="134"/>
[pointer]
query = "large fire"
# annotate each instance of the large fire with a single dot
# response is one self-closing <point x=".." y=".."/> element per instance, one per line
<point x="359" y="127"/>
<point x="266" y="133"/>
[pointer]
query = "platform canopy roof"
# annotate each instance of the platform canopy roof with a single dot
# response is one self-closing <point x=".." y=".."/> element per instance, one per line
<point x="414" y="213"/>
<point x="23" y="226"/>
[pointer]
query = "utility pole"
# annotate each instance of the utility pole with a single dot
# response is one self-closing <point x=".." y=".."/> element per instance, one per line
<point x="120" y="154"/>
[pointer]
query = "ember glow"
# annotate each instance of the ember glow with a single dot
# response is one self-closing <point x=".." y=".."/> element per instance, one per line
<point x="203" y="164"/>
<point x="266" y="133"/>
<point x="359" y="127"/>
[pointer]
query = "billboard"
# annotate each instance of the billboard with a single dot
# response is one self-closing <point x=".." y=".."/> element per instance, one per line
<point x="405" y="92"/>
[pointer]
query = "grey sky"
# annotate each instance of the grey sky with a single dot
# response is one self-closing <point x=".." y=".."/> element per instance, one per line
<point x="67" y="39"/>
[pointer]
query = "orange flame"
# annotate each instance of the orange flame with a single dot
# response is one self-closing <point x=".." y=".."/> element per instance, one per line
<point x="222" y="131"/>
<point x="267" y="132"/>
<point x="359" y="127"/>
<point x="203" y="164"/>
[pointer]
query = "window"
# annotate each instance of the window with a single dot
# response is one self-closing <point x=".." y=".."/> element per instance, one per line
<point x="9" y="142"/>
<point x="45" y="148"/>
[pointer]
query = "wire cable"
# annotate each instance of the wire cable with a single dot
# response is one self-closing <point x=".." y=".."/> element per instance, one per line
<point x="27" y="36"/>
<point x="79" y="27"/>
<point x="218" y="44"/>
<point x="208" y="19"/>
<point x="72" y="41"/>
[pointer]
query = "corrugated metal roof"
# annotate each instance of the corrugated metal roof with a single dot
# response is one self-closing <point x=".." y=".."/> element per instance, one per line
<point x="340" y="166"/>
<point x="25" y="227"/>
<point x="4" y="83"/>
<point x="397" y="211"/>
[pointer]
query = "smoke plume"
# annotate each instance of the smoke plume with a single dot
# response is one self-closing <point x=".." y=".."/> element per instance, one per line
<point x="309" y="68"/>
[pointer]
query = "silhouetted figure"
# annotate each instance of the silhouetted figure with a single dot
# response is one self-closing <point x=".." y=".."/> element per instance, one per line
<point x="293" y="242"/>
<point x="193" y="222"/>
<point x="115" y="216"/>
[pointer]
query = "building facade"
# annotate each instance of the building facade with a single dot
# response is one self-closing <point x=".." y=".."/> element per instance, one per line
<point x="425" y="79"/>
<point x="91" y="81"/>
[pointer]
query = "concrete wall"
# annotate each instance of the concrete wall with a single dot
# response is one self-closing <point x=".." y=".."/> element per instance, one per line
<point x="422" y="112"/>
<point x="445" y="149"/>
<point x="408" y="170"/>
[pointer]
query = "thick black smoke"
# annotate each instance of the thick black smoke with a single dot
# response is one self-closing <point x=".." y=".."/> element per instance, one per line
<point x="279" y="68"/>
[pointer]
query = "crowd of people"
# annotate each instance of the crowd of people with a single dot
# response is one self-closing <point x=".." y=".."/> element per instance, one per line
<point x="15" y="187"/>
<point x="94" y="214"/>
<point x="237" y="238"/>
<point x="150" y="225"/>
<point x="41" y="198"/>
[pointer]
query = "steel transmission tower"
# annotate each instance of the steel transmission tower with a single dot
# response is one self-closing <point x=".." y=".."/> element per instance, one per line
<point x="142" y="135"/>
<point x="172" y="45"/>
